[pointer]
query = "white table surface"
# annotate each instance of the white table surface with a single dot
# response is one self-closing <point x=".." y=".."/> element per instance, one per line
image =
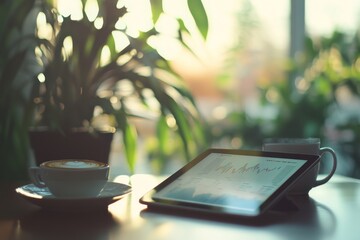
<point x="332" y="211"/>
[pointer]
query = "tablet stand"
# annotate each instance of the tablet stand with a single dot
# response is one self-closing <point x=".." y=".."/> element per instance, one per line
<point x="284" y="205"/>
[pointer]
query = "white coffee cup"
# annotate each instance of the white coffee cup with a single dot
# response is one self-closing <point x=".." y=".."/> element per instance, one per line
<point x="310" y="146"/>
<point x="71" y="178"/>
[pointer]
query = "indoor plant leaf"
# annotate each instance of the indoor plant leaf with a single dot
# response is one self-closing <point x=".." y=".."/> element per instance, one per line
<point x="198" y="12"/>
<point x="79" y="81"/>
<point x="156" y="9"/>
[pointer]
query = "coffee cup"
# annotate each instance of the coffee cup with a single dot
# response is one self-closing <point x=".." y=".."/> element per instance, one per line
<point x="71" y="178"/>
<point x="309" y="146"/>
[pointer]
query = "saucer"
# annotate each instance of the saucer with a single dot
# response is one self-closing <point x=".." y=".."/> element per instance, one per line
<point x="111" y="193"/>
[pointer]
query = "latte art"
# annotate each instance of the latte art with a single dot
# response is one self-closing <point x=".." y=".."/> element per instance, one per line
<point x="77" y="164"/>
<point x="71" y="178"/>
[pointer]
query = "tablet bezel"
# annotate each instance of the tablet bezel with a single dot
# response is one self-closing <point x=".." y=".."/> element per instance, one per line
<point x="311" y="161"/>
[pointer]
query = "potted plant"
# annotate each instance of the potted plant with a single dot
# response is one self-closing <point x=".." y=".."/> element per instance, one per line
<point x="79" y="84"/>
<point x="17" y="67"/>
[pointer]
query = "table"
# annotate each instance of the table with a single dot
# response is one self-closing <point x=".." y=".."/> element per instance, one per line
<point x="332" y="211"/>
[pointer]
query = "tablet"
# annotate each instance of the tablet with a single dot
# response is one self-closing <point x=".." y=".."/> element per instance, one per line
<point x="227" y="181"/>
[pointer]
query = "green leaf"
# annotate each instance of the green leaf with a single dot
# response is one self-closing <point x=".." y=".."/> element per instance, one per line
<point x="156" y="9"/>
<point x="183" y="28"/>
<point x="112" y="47"/>
<point x="184" y="128"/>
<point x="198" y="12"/>
<point x="128" y="130"/>
<point x="129" y="138"/>
<point x="162" y="133"/>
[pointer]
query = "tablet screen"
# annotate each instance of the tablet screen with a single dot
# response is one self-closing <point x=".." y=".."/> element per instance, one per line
<point x="230" y="182"/>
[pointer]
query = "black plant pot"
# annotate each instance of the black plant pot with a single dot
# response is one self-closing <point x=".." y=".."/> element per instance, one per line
<point x="52" y="145"/>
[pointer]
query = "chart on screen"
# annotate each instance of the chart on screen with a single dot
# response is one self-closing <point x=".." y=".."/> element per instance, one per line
<point x="233" y="180"/>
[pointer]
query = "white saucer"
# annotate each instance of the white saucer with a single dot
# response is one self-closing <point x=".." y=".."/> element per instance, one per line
<point x="111" y="193"/>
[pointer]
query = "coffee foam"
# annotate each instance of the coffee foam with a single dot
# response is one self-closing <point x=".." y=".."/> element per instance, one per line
<point x="78" y="164"/>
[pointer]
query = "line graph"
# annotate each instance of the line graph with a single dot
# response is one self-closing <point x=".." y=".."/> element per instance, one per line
<point x="229" y="168"/>
<point x="242" y="182"/>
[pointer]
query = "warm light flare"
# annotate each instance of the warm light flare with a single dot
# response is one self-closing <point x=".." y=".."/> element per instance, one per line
<point x="71" y="8"/>
<point x="41" y="77"/>
<point x="91" y="9"/>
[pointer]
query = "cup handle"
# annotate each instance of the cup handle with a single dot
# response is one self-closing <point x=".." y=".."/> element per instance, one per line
<point x="35" y="177"/>
<point x="327" y="178"/>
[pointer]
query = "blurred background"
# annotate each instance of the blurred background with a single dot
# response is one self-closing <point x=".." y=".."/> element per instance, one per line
<point x="280" y="68"/>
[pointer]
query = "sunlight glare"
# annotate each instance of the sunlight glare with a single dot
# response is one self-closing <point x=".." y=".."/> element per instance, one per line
<point x="138" y="16"/>
<point x="99" y="23"/>
<point x="41" y="77"/>
<point x="121" y="40"/>
<point x="38" y="56"/>
<point x="91" y="9"/>
<point x="44" y="28"/>
<point x="170" y="121"/>
<point x="68" y="46"/>
<point x="105" y="56"/>
<point x="220" y="113"/>
<point x="114" y="100"/>
<point x="41" y="19"/>
<point x="176" y="9"/>
<point x="167" y="25"/>
<point x="71" y="8"/>
<point x="120" y="24"/>
<point x="167" y="47"/>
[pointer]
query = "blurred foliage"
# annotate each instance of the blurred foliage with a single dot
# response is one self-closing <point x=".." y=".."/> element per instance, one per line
<point x="318" y="98"/>
<point x="17" y="67"/>
<point x="24" y="57"/>
<point x="132" y="82"/>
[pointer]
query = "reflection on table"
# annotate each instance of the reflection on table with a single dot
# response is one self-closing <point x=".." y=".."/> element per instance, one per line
<point x="330" y="212"/>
